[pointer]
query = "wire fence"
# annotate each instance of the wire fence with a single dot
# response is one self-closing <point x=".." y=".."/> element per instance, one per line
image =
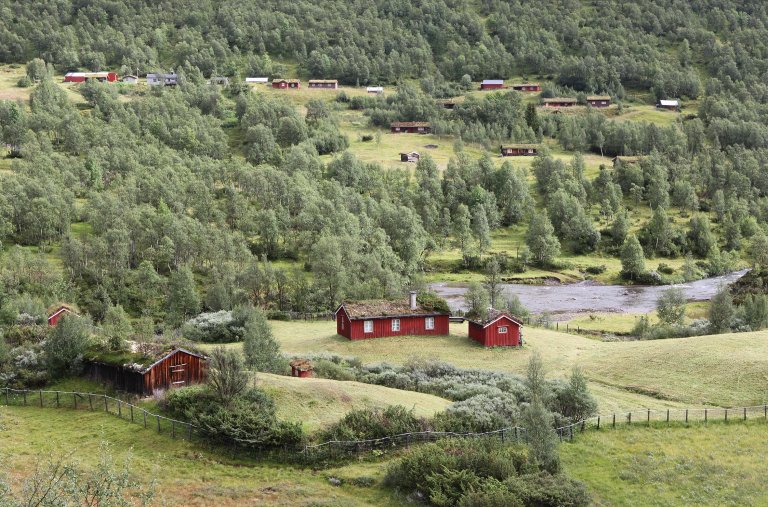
<point x="185" y="430"/>
<point x="100" y="402"/>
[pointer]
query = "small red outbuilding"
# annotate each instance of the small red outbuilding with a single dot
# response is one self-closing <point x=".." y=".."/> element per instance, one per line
<point x="498" y="329"/>
<point x="361" y="320"/>
<point x="56" y="313"/>
<point x="286" y="83"/>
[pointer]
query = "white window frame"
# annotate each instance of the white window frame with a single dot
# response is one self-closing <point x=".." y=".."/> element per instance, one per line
<point x="368" y="326"/>
<point x="429" y="323"/>
<point x="503" y="329"/>
<point x="396" y="325"/>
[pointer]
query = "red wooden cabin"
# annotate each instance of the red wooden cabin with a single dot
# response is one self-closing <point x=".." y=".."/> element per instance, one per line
<point x="301" y="368"/>
<point x="526" y="87"/>
<point x="492" y="84"/>
<point x="82" y="77"/>
<point x="599" y="100"/>
<point x="328" y="84"/>
<point x="410" y="127"/>
<point x="362" y="320"/>
<point x="499" y="329"/>
<point x="56" y="313"/>
<point x="286" y="83"/>
<point x="519" y="150"/>
<point x="175" y="368"/>
<point x="560" y="102"/>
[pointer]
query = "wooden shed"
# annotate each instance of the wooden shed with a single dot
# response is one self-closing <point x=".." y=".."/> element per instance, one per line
<point x="519" y="150"/>
<point x="492" y="84"/>
<point x="176" y="367"/>
<point x="526" y="87"/>
<point x="410" y="127"/>
<point x="324" y="84"/>
<point x="671" y="105"/>
<point x="57" y="312"/>
<point x="82" y="77"/>
<point x="301" y="368"/>
<point x="286" y="83"/>
<point x="361" y="320"/>
<point x="560" y="102"/>
<point x="498" y="329"/>
<point x="599" y="100"/>
<point x="412" y="156"/>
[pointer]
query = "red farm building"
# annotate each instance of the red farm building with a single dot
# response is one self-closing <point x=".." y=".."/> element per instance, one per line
<point x="286" y="83"/>
<point x="326" y="84"/>
<point x="519" y="150"/>
<point x="82" y="77"/>
<point x="526" y="87"/>
<point x="169" y="368"/>
<point x="492" y="84"/>
<point x="599" y="100"/>
<point x="301" y="368"/>
<point x="56" y="313"/>
<point x="560" y="102"/>
<point x="410" y="127"/>
<point x="362" y="320"/>
<point x="499" y="329"/>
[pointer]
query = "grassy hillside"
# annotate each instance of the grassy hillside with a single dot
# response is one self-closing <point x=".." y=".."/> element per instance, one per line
<point x="724" y="370"/>
<point x="318" y="402"/>
<point x="186" y="474"/>
<point x="676" y="466"/>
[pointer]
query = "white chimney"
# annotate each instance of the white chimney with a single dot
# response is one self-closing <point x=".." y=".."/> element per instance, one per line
<point x="412" y="299"/>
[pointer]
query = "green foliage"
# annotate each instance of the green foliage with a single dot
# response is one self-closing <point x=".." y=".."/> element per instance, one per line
<point x="262" y="352"/>
<point x="183" y="300"/>
<point x="670" y="306"/>
<point x="721" y="311"/>
<point x="371" y="423"/>
<point x="117" y="327"/>
<point x="632" y="258"/>
<point x="477" y="300"/>
<point x="573" y="399"/>
<point x="541" y="240"/>
<point x="66" y="346"/>
<point x="227" y="376"/>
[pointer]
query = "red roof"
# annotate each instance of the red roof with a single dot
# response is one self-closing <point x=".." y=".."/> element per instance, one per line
<point x="493" y="316"/>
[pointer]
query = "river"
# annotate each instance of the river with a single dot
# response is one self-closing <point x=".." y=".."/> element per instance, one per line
<point x="591" y="297"/>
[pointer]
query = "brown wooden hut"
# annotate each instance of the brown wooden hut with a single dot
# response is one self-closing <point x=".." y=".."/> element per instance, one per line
<point x="176" y="367"/>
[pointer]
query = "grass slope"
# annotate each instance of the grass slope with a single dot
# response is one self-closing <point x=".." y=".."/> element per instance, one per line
<point x="186" y="473"/>
<point x="673" y="466"/>
<point x="318" y="402"/>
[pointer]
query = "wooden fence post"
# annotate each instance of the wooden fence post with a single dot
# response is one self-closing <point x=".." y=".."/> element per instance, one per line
<point x="158" y="424"/>
<point x="614" y="420"/>
<point x="583" y="425"/>
<point x="629" y="418"/>
<point x="74" y="399"/>
<point x="131" y="413"/>
<point x="25" y="397"/>
<point x="598" y="422"/>
<point x="119" y="408"/>
<point x="90" y="401"/>
<point x="41" y="398"/>
<point x="745" y="413"/>
<point x="686" y="416"/>
<point x="649" y="417"/>
<point x="726" y="415"/>
<point x="57" y="399"/>
<point x="667" y="416"/>
<point x="106" y="404"/>
<point x="705" y="416"/>
<point x="145" y="418"/>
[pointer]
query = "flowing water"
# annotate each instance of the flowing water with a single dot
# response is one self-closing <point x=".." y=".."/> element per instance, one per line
<point x="590" y="297"/>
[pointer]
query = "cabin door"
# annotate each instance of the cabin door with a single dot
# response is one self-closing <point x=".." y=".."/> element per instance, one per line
<point x="178" y="375"/>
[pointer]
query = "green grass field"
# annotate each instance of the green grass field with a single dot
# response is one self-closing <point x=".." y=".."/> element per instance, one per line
<point x="721" y="464"/>
<point x="186" y="473"/>
<point x="317" y="402"/>
<point x="624" y="375"/>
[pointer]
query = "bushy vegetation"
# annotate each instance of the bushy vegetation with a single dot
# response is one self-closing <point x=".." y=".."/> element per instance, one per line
<point x="364" y="424"/>
<point x="481" y="472"/>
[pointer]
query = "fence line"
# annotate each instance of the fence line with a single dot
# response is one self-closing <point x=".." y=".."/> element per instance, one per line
<point x="175" y="428"/>
<point x="102" y="402"/>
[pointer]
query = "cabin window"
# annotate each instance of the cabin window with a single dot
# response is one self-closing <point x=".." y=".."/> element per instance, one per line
<point x="429" y="323"/>
<point x="342" y="321"/>
<point x="395" y="324"/>
<point x="368" y="326"/>
<point x="503" y="330"/>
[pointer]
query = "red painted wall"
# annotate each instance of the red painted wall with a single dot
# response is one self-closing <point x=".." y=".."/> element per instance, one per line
<point x="382" y="327"/>
<point x="491" y="86"/>
<point x="490" y="337"/>
<point x="599" y="103"/>
<point x="176" y="370"/>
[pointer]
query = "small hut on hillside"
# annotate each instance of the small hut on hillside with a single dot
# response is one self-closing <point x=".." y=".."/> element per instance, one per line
<point x="57" y="312"/>
<point x="143" y="373"/>
<point x="301" y="368"/>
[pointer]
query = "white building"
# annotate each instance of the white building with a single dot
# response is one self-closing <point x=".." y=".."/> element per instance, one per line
<point x="162" y="79"/>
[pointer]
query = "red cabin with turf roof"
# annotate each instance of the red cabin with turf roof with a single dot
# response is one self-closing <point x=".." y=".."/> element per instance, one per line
<point x="361" y="320"/>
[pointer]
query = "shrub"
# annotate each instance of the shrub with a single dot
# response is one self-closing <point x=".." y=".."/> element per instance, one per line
<point x="665" y="268"/>
<point x="480" y="413"/>
<point x="327" y="369"/>
<point x="368" y="423"/>
<point x="214" y="327"/>
<point x="595" y="270"/>
<point x="65" y="348"/>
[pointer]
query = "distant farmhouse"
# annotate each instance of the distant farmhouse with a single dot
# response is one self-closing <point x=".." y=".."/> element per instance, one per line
<point x="376" y="90"/>
<point x="326" y="84"/>
<point x="410" y="127"/>
<point x="526" y="87"/>
<point x="130" y="79"/>
<point x="256" y="80"/>
<point x="599" y="100"/>
<point x="560" y="102"/>
<point x="672" y="105"/>
<point x="56" y="313"/>
<point x="498" y="329"/>
<point x="82" y="77"/>
<point x="492" y="84"/>
<point x="519" y="150"/>
<point x="362" y="320"/>
<point x="286" y="83"/>
<point x="171" y="79"/>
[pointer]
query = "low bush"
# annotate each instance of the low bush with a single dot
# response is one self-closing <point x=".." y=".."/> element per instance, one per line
<point x="215" y="327"/>
<point x="369" y="423"/>
<point x="474" y="473"/>
<point x="595" y="270"/>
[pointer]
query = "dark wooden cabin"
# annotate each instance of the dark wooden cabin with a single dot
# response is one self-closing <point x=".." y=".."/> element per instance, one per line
<point x="176" y="368"/>
<point x="599" y="100"/>
<point x="519" y="150"/>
